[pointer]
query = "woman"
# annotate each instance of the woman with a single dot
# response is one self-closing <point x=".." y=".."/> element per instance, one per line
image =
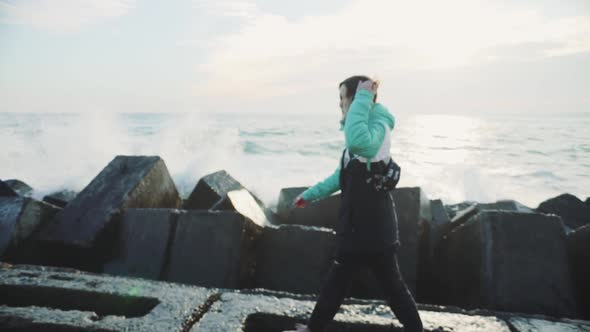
<point x="367" y="227"/>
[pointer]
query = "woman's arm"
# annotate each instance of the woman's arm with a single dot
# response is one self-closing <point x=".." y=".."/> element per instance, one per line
<point x="324" y="188"/>
<point x="362" y="138"/>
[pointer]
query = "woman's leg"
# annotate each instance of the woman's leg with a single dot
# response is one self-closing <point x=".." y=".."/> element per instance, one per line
<point x="397" y="294"/>
<point x="332" y="294"/>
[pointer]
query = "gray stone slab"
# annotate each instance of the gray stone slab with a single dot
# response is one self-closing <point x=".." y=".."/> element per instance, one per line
<point x="143" y="243"/>
<point x="213" y="248"/>
<point x="126" y="182"/>
<point x="579" y="251"/>
<point x="521" y="324"/>
<point x="262" y="313"/>
<point x="508" y="261"/>
<point x="6" y="191"/>
<point x="294" y="258"/>
<point x="40" y="298"/>
<point x="19" y="218"/>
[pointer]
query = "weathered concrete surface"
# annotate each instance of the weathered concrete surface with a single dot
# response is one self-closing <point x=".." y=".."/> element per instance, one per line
<point x="579" y="251"/>
<point x="571" y="209"/>
<point x="213" y="249"/>
<point x="262" y="313"/>
<point x="413" y="212"/>
<point x="21" y="188"/>
<point x="294" y="258"/>
<point x="320" y="213"/>
<point x="243" y="202"/>
<point x="19" y="218"/>
<point x="126" y="182"/>
<point x="60" y="198"/>
<point x="143" y="242"/>
<point x="6" y="191"/>
<point x="508" y="261"/>
<point x="41" y="298"/>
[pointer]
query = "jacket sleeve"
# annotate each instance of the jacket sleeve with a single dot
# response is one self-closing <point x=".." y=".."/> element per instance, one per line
<point x="324" y="188"/>
<point x="362" y="137"/>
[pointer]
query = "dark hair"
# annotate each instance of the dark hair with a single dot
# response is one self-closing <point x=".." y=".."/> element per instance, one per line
<point x="351" y="83"/>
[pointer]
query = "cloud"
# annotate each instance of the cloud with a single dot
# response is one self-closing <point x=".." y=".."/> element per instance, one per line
<point x="62" y="15"/>
<point x="276" y="56"/>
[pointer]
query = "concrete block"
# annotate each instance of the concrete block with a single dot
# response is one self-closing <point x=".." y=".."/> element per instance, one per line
<point x="244" y="203"/>
<point x="579" y="252"/>
<point x="19" y="218"/>
<point x="143" y="243"/>
<point x="320" y="213"/>
<point x="571" y="209"/>
<point x="60" y="198"/>
<point x="413" y="212"/>
<point x="20" y="187"/>
<point x="213" y="249"/>
<point x="126" y="182"/>
<point x="37" y="298"/>
<point x="6" y="191"/>
<point x="508" y="261"/>
<point x="294" y="258"/>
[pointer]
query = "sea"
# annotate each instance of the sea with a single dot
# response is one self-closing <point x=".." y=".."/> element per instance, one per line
<point x="526" y="157"/>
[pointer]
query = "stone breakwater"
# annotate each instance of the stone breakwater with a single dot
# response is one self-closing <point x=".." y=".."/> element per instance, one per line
<point x="130" y="221"/>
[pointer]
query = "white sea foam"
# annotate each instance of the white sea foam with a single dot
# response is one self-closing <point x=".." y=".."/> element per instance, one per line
<point x="452" y="158"/>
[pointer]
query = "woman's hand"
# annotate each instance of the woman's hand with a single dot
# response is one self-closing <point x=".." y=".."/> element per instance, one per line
<point x="368" y="85"/>
<point x="299" y="202"/>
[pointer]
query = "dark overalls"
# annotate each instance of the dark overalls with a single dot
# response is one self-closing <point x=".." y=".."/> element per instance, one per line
<point x="367" y="238"/>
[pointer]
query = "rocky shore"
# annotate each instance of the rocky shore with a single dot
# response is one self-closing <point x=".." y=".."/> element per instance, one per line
<point x="220" y="260"/>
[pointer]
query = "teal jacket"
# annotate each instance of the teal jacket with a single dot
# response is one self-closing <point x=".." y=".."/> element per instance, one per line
<point x="364" y="131"/>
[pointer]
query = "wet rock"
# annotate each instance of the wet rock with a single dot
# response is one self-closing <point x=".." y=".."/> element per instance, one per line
<point x="579" y="250"/>
<point x="508" y="261"/>
<point x="19" y="218"/>
<point x="60" y="198"/>
<point x="19" y="187"/>
<point x="265" y="313"/>
<point x="36" y="298"/>
<point x="6" y="191"/>
<point x="320" y="213"/>
<point x="143" y="243"/>
<point x="244" y="203"/>
<point x="413" y="212"/>
<point x="588" y="201"/>
<point x="126" y="182"/>
<point x="213" y="249"/>
<point x="570" y="208"/>
<point x="521" y="324"/>
<point x="294" y="258"/>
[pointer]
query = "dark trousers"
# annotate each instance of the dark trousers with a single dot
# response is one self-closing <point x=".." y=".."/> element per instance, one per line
<point x="385" y="268"/>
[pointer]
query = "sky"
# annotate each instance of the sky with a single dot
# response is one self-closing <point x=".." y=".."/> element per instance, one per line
<point x="279" y="56"/>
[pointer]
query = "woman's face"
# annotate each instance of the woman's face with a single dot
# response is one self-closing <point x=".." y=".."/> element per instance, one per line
<point x="344" y="100"/>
